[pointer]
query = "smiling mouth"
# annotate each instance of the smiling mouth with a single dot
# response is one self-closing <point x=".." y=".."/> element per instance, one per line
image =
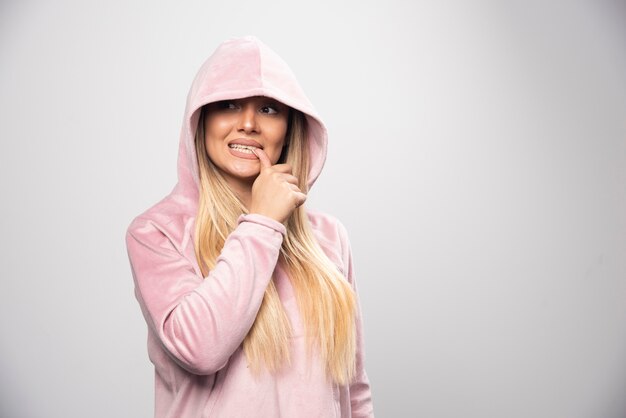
<point x="243" y="148"/>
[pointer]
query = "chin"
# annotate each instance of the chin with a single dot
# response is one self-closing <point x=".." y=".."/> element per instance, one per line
<point x="244" y="175"/>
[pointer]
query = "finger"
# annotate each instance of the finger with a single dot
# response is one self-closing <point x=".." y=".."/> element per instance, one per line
<point x="263" y="158"/>
<point x="300" y="198"/>
<point x="282" y="168"/>
<point x="294" y="187"/>
<point x="289" y="178"/>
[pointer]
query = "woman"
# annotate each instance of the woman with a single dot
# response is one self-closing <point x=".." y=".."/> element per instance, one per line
<point x="250" y="299"/>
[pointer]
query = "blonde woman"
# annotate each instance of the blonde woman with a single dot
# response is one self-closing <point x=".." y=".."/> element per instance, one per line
<point x="249" y="298"/>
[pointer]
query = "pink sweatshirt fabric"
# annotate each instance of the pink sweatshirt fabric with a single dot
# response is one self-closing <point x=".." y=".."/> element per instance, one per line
<point x="196" y="325"/>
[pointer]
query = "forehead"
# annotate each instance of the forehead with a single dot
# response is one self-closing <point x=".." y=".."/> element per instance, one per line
<point x="256" y="99"/>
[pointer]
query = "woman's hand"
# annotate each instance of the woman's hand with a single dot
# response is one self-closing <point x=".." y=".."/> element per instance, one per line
<point x="275" y="192"/>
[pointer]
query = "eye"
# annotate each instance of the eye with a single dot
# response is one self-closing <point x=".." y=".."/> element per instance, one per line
<point x="270" y="109"/>
<point x="227" y="105"/>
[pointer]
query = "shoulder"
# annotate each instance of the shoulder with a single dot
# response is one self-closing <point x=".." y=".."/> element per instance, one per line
<point x="165" y="224"/>
<point x="326" y="225"/>
<point x="331" y="234"/>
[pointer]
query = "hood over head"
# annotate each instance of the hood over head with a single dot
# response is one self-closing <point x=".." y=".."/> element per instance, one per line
<point x="242" y="67"/>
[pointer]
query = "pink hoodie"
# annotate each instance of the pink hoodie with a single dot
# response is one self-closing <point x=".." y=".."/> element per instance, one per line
<point x="196" y="325"/>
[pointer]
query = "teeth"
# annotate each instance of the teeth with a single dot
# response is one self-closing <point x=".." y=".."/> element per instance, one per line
<point x="243" y="148"/>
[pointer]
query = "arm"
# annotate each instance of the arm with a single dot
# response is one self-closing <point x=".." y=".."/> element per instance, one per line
<point x="201" y="322"/>
<point x="360" y="391"/>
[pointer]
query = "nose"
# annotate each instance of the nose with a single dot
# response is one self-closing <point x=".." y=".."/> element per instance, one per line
<point x="248" y="120"/>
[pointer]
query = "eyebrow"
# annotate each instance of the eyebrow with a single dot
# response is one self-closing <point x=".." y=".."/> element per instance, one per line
<point x="263" y="100"/>
<point x="269" y="100"/>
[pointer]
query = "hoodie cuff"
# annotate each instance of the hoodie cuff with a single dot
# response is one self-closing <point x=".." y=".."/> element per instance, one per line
<point x="263" y="220"/>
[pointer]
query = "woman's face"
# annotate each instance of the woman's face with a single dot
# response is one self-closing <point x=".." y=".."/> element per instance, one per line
<point x="233" y="127"/>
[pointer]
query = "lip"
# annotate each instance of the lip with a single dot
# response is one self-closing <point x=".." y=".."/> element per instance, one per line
<point x="240" y="154"/>
<point x="246" y="141"/>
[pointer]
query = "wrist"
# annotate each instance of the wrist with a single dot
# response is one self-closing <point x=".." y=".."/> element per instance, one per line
<point x="265" y="220"/>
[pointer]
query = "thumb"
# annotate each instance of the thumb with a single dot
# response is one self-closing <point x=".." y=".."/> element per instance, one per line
<point x="263" y="158"/>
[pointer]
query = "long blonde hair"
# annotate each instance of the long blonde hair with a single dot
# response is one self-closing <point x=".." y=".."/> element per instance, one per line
<point x="326" y="300"/>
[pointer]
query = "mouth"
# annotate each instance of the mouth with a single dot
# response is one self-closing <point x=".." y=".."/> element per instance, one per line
<point x="247" y="149"/>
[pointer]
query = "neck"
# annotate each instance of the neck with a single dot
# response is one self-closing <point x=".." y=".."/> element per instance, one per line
<point x="242" y="189"/>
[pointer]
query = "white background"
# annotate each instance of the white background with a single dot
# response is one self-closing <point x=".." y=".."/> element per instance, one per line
<point x="477" y="158"/>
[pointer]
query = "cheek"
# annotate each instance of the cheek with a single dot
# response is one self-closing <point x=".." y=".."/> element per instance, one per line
<point x="216" y="127"/>
<point x="278" y="132"/>
<point x="211" y="149"/>
<point x="215" y="130"/>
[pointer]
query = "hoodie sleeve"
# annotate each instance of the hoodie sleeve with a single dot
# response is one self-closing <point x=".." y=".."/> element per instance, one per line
<point x="201" y="322"/>
<point x="360" y="391"/>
